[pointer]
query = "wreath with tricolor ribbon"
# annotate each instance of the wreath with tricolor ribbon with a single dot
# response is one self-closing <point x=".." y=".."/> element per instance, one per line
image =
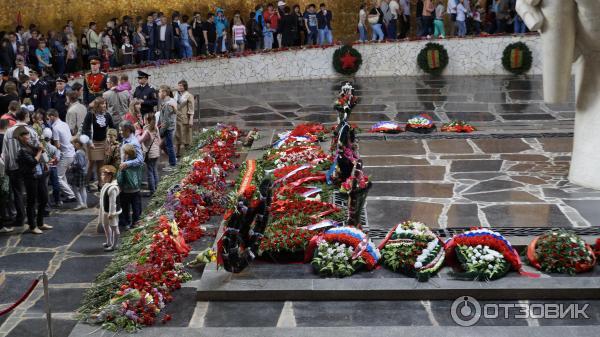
<point x="517" y="58"/>
<point x="433" y="59"/>
<point x="347" y="60"/>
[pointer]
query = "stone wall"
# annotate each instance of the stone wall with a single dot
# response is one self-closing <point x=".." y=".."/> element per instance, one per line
<point x="472" y="57"/>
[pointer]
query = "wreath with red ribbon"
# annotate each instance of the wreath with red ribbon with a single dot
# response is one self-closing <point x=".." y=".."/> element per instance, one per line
<point x="433" y="59"/>
<point x="517" y="58"/>
<point x="347" y="60"/>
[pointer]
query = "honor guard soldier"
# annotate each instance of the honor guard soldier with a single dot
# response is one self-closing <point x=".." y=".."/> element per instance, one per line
<point x="146" y="93"/>
<point x="94" y="83"/>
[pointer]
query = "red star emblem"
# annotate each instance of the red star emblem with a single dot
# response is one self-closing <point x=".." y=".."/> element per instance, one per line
<point x="348" y="61"/>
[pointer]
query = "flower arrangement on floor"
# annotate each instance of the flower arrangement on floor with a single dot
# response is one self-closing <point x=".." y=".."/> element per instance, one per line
<point x="458" y="126"/>
<point x="482" y="254"/>
<point x="422" y="123"/>
<point x="341" y="251"/>
<point x="136" y="285"/>
<point x="413" y="249"/>
<point x="561" y="251"/>
<point x="386" y="127"/>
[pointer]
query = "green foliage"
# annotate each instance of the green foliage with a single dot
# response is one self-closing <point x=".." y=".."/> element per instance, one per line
<point x="424" y="64"/>
<point x="335" y="259"/>
<point x="337" y="63"/>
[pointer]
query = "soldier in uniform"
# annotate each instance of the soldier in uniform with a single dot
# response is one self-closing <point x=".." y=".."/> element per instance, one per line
<point x="58" y="99"/>
<point x="39" y="91"/>
<point x="146" y="93"/>
<point x="94" y="83"/>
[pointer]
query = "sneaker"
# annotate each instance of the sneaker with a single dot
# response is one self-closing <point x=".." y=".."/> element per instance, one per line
<point x="36" y="231"/>
<point x="79" y="208"/>
<point x="109" y="249"/>
<point x="6" y="230"/>
<point x="45" y="227"/>
<point x="105" y="245"/>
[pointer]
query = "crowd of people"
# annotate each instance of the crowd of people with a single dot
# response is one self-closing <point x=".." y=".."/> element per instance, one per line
<point x="58" y="143"/>
<point x="391" y="19"/>
<point x="158" y="36"/>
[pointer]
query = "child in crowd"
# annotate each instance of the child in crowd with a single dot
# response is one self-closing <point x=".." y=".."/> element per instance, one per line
<point x="112" y="150"/>
<point x="130" y="181"/>
<point x="150" y="141"/>
<point x="53" y="159"/>
<point x="106" y="57"/>
<point x="110" y="207"/>
<point x="124" y="84"/>
<point x="268" y="37"/>
<point x="78" y="173"/>
<point x="22" y="54"/>
<point x="239" y="34"/>
<point x="477" y="19"/>
<point x="38" y="122"/>
<point x="127" y="50"/>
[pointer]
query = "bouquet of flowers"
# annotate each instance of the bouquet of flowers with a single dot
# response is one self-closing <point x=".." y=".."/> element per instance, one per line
<point x="386" y="127"/>
<point x="336" y="259"/>
<point x="413" y="249"/>
<point x="362" y="248"/>
<point x="476" y="252"/>
<point x="561" y="251"/>
<point x="458" y="126"/>
<point x="422" y="123"/>
<point x="361" y="180"/>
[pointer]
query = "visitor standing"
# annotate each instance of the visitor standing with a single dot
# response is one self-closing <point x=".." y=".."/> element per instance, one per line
<point x="405" y="22"/>
<point x="117" y="101"/>
<point x="185" y="117"/>
<point x="110" y="208"/>
<point x="112" y="150"/>
<point x="324" y="18"/>
<point x="376" y="21"/>
<point x="221" y="25"/>
<point x="75" y="113"/>
<point x="186" y="36"/>
<point x="149" y="31"/>
<point x="146" y="93"/>
<point x="387" y="16"/>
<point x="461" y="16"/>
<point x="197" y="33"/>
<point x="272" y="18"/>
<point x="419" y="16"/>
<point x="129" y="177"/>
<point x="167" y="123"/>
<point x="165" y="40"/>
<point x="393" y="24"/>
<point x="150" y="141"/>
<point x="428" y="10"/>
<point x="302" y="33"/>
<point x="312" y="25"/>
<point x="95" y="126"/>
<point x="61" y="134"/>
<point x="93" y="40"/>
<point x="127" y="51"/>
<point x="289" y="28"/>
<point x="209" y="31"/>
<point x="77" y="173"/>
<point x="439" y="21"/>
<point x="140" y="43"/>
<point x="362" y="21"/>
<point x="31" y="170"/>
<point x="238" y="32"/>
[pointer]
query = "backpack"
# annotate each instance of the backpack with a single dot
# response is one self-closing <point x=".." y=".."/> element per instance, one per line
<point x="130" y="179"/>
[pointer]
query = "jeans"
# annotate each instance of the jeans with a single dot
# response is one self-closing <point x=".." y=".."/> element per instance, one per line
<point x="142" y="56"/>
<point x="405" y="26"/>
<point x="81" y="195"/>
<point x="59" y="64"/>
<point x="477" y="26"/>
<point x="170" y="148"/>
<point x="462" y="28"/>
<point x="186" y="49"/>
<point x="36" y="193"/>
<point x="427" y="25"/>
<point x="61" y="171"/>
<point x="438" y="26"/>
<point x="313" y="37"/>
<point x="165" y="51"/>
<point x="130" y="202"/>
<point x="392" y="29"/>
<point x="221" y="48"/>
<point x="377" y="32"/>
<point x="16" y="187"/>
<point x="519" y="26"/>
<point x="152" y="174"/>
<point x="53" y="171"/>
<point x="211" y="47"/>
<point x="325" y="36"/>
<point x="420" y="28"/>
<point x="362" y="33"/>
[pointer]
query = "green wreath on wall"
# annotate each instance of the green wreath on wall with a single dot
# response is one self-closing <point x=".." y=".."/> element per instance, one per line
<point x="433" y="58"/>
<point x="347" y="60"/>
<point x="517" y="58"/>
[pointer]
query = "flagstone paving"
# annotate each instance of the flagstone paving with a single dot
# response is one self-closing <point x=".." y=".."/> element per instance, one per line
<point x="511" y="174"/>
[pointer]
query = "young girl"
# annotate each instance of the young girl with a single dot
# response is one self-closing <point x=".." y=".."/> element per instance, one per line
<point x="110" y="207"/>
<point x="124" y="84"/>
<point x="112" y="150"/>
<point x="127" y="50"/>
<point x="106" y="58"/>
<point x="78" y="173"/>
<point x="239" y="33"/>
<point x="150" y="141"/>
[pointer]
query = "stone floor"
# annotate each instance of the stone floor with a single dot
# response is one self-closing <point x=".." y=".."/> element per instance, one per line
<point x="510" y="175"/>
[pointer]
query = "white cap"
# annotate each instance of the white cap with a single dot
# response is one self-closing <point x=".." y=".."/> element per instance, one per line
<point x="47" y="133"/>
<point x="281" y="3"/>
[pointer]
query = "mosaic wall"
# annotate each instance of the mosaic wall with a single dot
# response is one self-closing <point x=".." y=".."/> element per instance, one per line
<point x="52" y="14"/>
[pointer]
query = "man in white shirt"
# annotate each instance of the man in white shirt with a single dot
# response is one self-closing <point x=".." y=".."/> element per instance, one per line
<point x="393" y="25"/>
<point x="405" y="19"/>
<point x="61" y="134"/>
